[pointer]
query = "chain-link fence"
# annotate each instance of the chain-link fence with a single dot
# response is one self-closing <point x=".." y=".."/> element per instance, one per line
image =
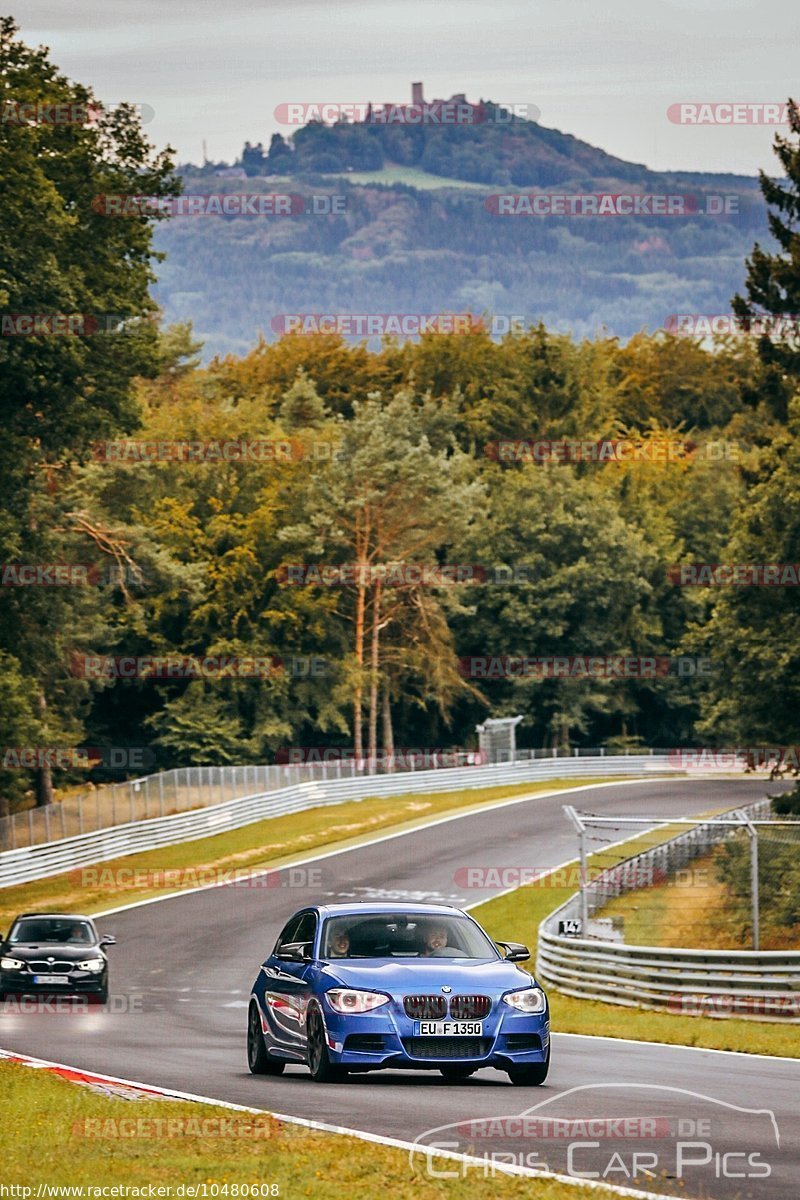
<point x="622" y="938"/>
<point x="720" y="884"/>
<point x="198" y="787"/>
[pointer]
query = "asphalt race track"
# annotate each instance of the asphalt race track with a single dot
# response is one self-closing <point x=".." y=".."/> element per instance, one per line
<point x="183" y="968"/>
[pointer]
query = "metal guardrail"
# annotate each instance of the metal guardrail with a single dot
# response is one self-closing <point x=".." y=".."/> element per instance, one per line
<point x="762" y="984"/>
<point x="52" y="858"/>
<point x="185" y="788"/>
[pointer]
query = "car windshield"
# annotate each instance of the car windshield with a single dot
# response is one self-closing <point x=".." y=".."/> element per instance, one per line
<point x="404" y="935"/>
<point x="54" y="930"/>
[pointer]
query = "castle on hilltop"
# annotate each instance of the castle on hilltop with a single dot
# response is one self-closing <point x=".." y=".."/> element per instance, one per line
<point x="418" y="100"/>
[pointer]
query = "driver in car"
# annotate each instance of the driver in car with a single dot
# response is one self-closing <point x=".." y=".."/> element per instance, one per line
<point x="435" y="941"/>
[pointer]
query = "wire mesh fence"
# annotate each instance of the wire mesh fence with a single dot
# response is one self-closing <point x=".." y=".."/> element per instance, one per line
<point x="724" y="884"/>
<point x="186" y="788"/>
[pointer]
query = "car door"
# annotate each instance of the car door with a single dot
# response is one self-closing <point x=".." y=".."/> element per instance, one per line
<point x="287" y="987"/>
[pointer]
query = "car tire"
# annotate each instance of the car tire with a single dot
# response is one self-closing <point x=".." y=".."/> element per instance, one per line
<point x="531" y="1075"/>
<point x="259" y="1060"/>
<point x="453" y="1074"/>
<point x="99" y="997"/>
<point x="319" y="1063"/>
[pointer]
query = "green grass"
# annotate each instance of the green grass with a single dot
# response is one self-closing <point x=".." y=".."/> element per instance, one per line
<point x="516" y="917"/>
<point x="413" y="176"/>
<point x="67" y="1135"/>
<point x="696" y="913"/>
<point x="274" y="842"/>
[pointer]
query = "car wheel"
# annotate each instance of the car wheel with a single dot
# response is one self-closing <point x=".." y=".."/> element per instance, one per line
<point x="319" y="1063"/>
<point x="452" y="1074"/>
<point x="258" y="1060"/>
<point x="532" y="1075"/>
<point x="99" y="997"/>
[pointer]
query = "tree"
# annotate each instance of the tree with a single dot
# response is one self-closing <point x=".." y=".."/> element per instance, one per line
<point x="62" y="254"/>
<point x="573" y="579"/>
<point x="752" y="631"/>
<point x="385" y="498"/>
<point x="773" y="280"/>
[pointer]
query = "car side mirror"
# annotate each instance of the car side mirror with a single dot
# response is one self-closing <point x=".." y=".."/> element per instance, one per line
<point x="295" y="952"/>
<point x="108" y="939"/>
<point x="515" y="951"/>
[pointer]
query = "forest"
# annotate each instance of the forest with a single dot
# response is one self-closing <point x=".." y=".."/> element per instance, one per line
<point x="326" y="543"/>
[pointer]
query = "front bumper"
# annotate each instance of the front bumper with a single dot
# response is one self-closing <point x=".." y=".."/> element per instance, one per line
<point x="388" y="1038"/>
<point x="77" y="983"/>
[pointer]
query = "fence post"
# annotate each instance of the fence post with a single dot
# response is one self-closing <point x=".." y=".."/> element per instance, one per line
<point x="584" y="899"/>
<point x="754" y="905"/>
<point x="161" y="792"/>
<point x="47" y="822"/>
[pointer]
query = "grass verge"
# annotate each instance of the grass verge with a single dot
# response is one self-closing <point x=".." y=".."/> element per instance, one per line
<point x="69" y="1136"/>
<point x="696" y="912"/>
<point x="516" y="917"/>
<point x="274" y="842"/>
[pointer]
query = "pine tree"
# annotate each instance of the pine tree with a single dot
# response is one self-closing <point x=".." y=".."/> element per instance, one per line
<point x="773" y="280"/>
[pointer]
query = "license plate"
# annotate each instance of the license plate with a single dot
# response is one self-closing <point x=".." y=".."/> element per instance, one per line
<point x="450" y="1029"/>
<point x="50" y="979"/>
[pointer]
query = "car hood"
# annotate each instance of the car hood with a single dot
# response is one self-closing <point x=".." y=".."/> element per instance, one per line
<point x="426" y="975"/>
<point x="25" y="951"/>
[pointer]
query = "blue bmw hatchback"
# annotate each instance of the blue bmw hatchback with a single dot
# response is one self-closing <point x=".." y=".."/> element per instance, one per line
<point x="364" y="987"/>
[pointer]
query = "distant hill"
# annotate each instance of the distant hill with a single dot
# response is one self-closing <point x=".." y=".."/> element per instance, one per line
<point x="420" y="234"/>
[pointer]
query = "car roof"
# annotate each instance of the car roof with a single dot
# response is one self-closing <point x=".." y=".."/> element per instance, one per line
<point x="59" y="915"/>
<point x="362" y="907"/>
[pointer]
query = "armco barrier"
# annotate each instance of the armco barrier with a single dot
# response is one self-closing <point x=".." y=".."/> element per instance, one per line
<point x="762" y="984"/>
<point x="52" y="858"/>
<point x="184" y="788"/>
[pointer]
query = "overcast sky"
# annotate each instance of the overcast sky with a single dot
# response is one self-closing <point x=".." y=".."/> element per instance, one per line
<point x="606" y="72"/>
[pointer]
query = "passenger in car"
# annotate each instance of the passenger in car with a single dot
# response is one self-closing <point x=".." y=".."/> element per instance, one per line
<point x="339" y="945"/>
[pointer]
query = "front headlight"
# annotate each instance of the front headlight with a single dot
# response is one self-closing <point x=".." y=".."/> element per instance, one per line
<point x="347" y="1000"/>
<point x="92" y="964"/>
<point x="11" y="964"/>
<point x="529" y="1000"/>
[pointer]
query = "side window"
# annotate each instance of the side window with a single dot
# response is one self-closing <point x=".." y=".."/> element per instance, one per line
<point x="287" y="933"/>
<point x="307" y="929"/>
